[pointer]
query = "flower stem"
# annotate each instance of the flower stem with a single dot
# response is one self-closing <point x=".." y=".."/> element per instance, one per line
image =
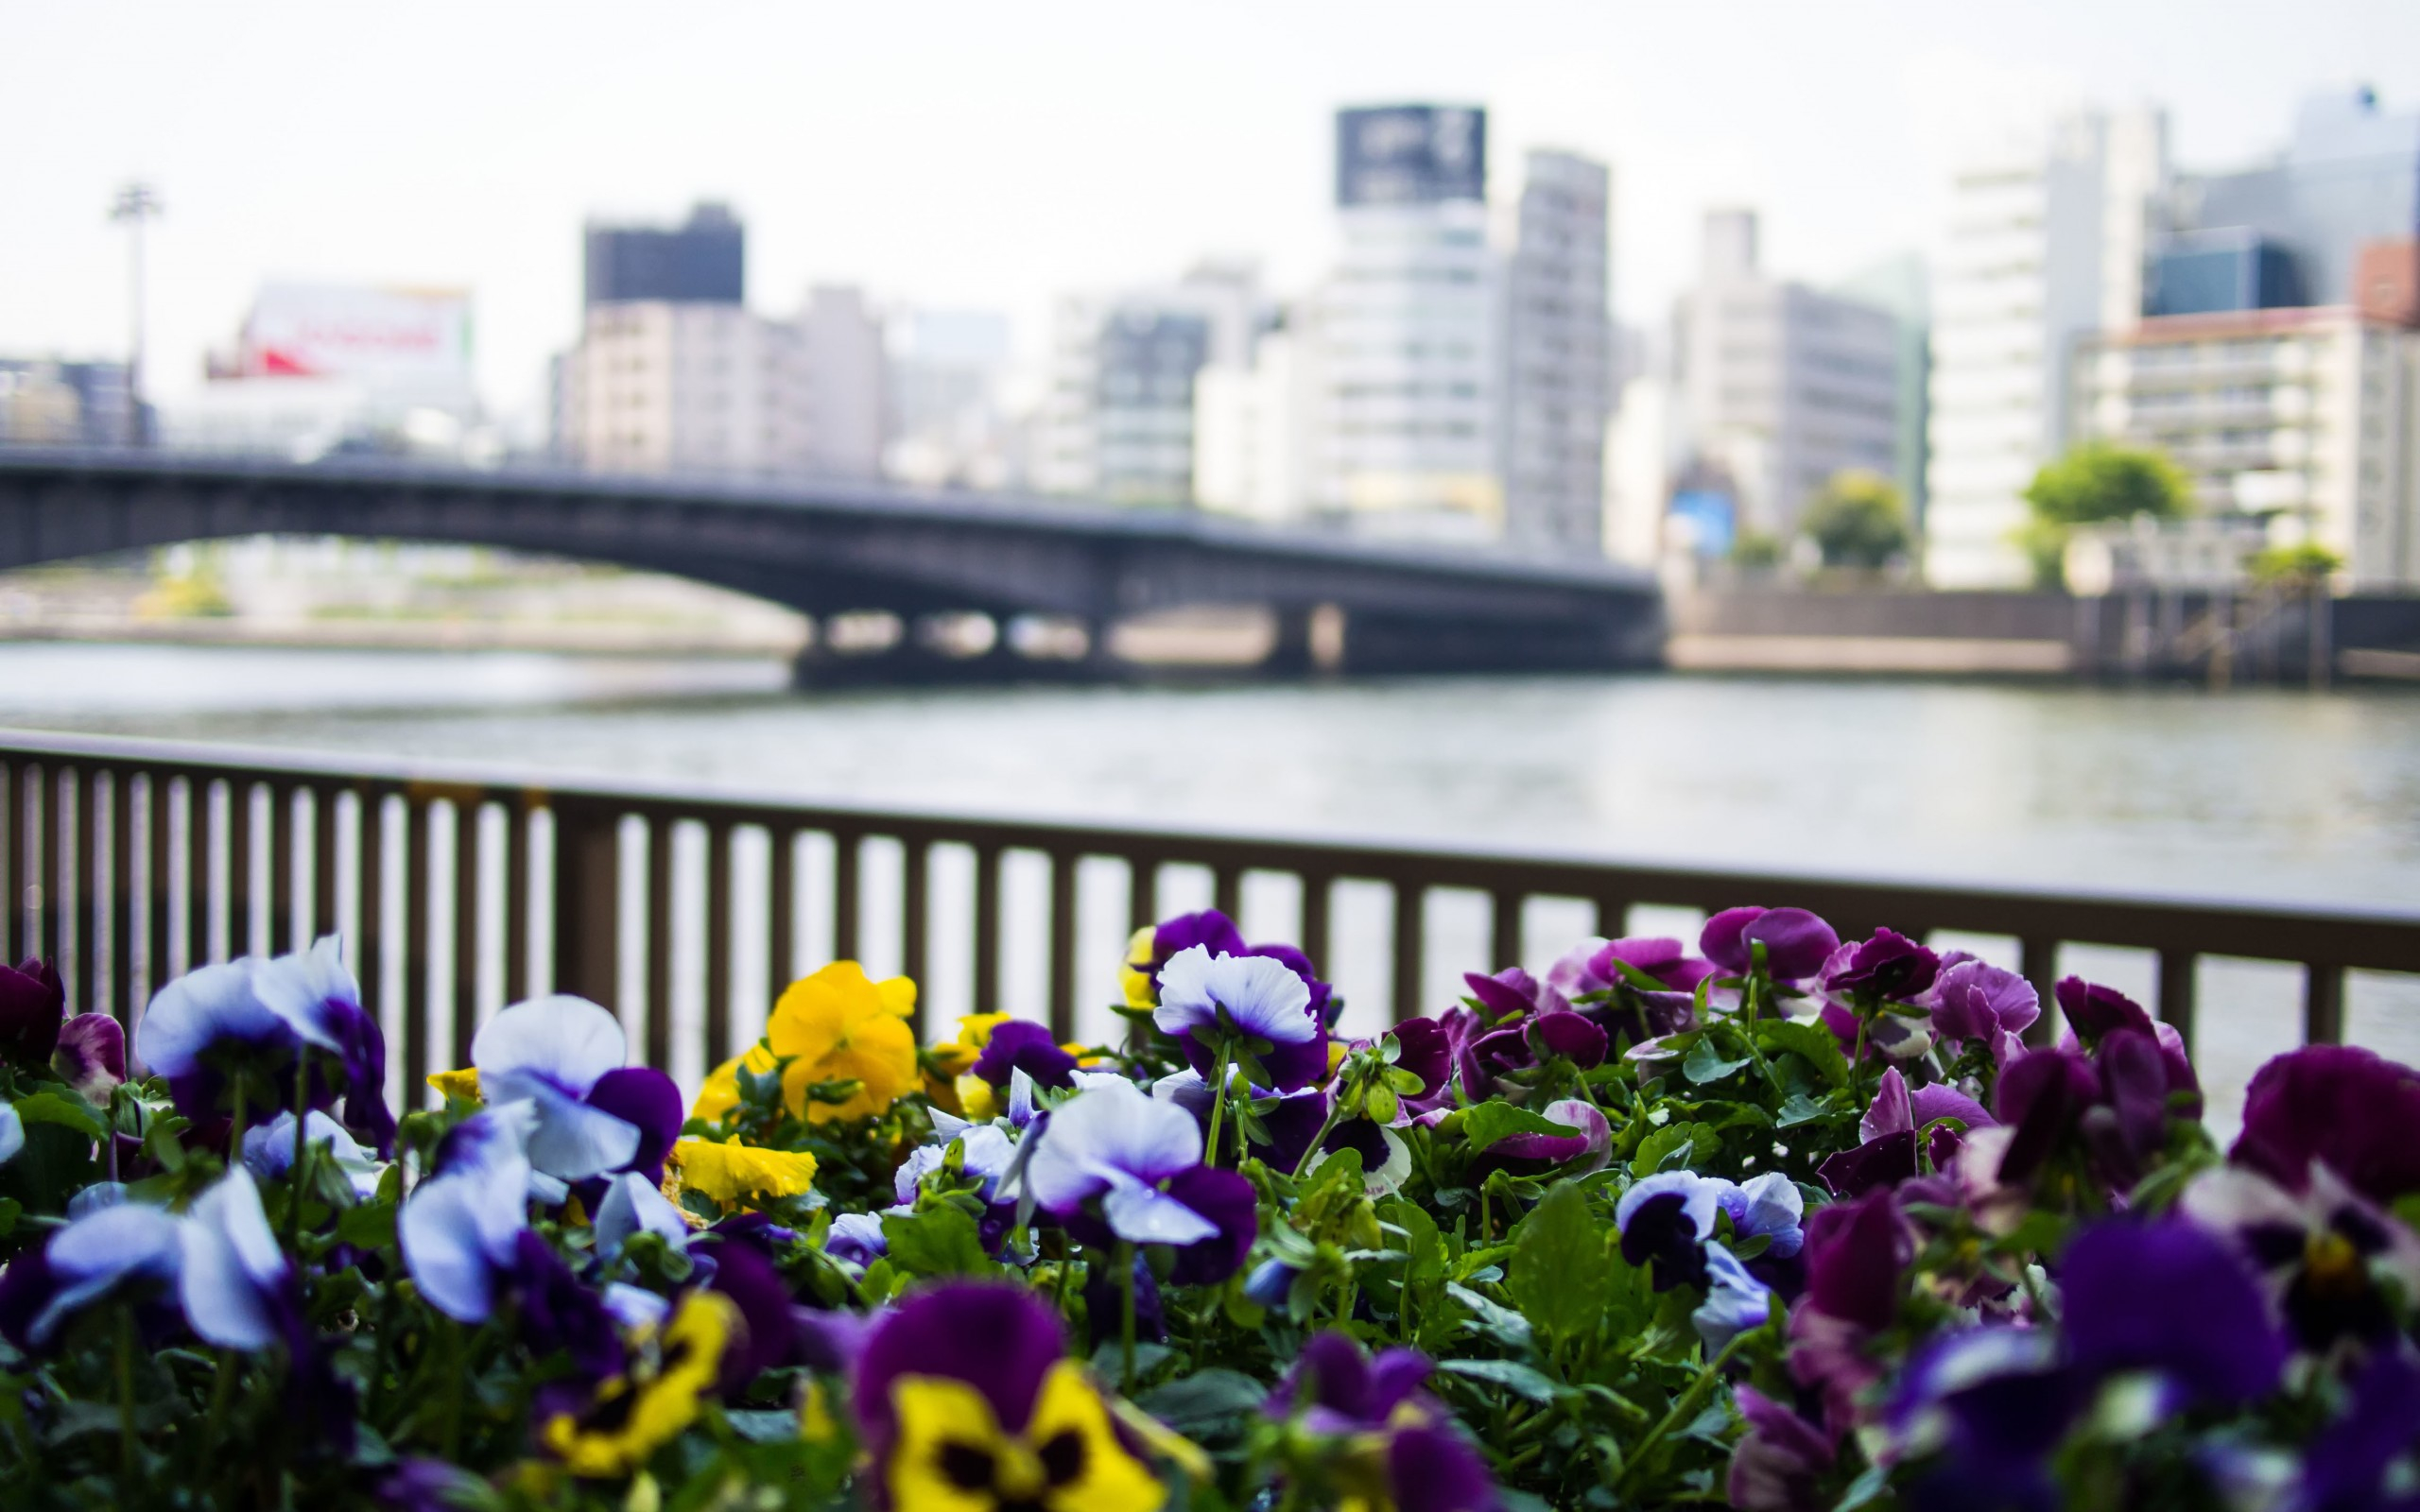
<point x="1335" y="1116"/>
<point x="126" y="1398"/>
<point x="235" y="1126"/>
<point x="1683" y="1407"/>
<point x="1218" y="1098"/>
<point x="1126" y="1316"/>
<point x="300" y="1174"/>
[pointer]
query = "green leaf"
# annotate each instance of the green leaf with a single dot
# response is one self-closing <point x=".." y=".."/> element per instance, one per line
<point x="939" y="1242"/>
<point x="1494" y="1318"/>
<point x="1705" y="1064"/>
<point x="371" y="1226"/>
<point x="763" y="1425"/>
<point x="1493" y="1121"/>
<point x="1421" y="1241"/>
<point x="1674" y="1145"/>
<point x="1204" y="1399"/>
<point x="1800" y="1109"/>
<point x="1510" y="1374"/>
<point x="1559" y="1270"/>
<point x="1810" y="1042"/>
<point x="63" y="1108"/>
<point x="1870" y="1485"/>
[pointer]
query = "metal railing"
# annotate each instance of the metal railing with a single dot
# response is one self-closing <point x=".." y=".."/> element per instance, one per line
<point x="128" y="860"/>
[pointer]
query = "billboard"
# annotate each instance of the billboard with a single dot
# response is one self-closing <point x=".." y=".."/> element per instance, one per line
<point x="379" y="336"/>
<point x="1411" y="154"/>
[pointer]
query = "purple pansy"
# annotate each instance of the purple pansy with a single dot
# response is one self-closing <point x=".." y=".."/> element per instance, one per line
<point x="1890" y="1130"/>
<point x="460" y="1228"/>
<point x="1796" y="942"/>
<point x="1775" y="1465"/>
<point x="2348" y="1464"/>
<point x="1000" y="1339"/>
<point x="90" y="1055"/>
<point x="34" y="1004"/>
<point x="1974" y="999"/>
<point x="1981" y="1410"/>
<point x="1424" y="1049"/>
<point x="769" y="1336"/>
<point x="1855" y="1251"/>
<point x="2092" y="1010"/>
<point x="2168" y="1297"/>
<point x="1889" y="966"/>
<point x="1342" y="1393"/>
<point x="2321" y="1253"/>
<point x="1022" y="1045"/>
<point x="856" y="1238"/>
<point x="1206" y="999"/>
<point x="2041" y="1094"/>
<point x="2294" y="1112"/>
<point x="1114" y="1163"/>
<point x="562" y="1055"/>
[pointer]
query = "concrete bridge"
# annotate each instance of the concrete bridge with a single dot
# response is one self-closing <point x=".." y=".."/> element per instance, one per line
<point x="858" y="557"/>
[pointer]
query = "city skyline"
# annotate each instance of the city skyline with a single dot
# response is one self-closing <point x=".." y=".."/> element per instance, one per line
<point x="852" y="167"/>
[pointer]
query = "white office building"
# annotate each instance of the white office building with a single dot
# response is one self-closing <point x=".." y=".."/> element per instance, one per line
<point x="1783" y="386"/>
<point x="1559" y="338"/>
<point x="2047" y="244"/>
<point x="1251" y="427"/>
<point x="1117" y="414"/>
<point x="2304" y="419"/>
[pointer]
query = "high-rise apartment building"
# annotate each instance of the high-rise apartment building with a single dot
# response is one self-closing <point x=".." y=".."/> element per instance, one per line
<point x="2047" y="245"/>
<point x="703" y="260"/>
<point x="1404" y="363"/>
<point x="1558" y="339"/>
<point x="1783" y="386"/>
<point x="842" y="363"/>
<point x="1902" y="286"/>
<point x="2307" y="420"/>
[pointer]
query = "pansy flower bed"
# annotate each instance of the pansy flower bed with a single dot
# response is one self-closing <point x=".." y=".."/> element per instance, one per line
<point x="1781" y="1221"/>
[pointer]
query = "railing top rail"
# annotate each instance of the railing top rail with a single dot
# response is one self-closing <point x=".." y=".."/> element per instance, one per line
<point x="2340" y="935"/>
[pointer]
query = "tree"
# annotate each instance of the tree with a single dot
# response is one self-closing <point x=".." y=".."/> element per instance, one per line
<point x="2096" y="481"/>
<point x="1857" y="521"/>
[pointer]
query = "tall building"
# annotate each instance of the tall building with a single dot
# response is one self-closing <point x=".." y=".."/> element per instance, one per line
<point x="1117" y="420"/>
<point x="1901" y="287"/>
<point x="2047" y="244"/>
<point x="1405" y="361"/>
<point x="46" y="401"/>
<point x="1251" y="431"/>
<point x="846" y="376"/>
<point x="1784" y="387"/>
<point x="703" y="261"/>
<point x="2291" y="231"/>
<point x="948" y="372"/>
<point x="2306" y="420"/>
<point x="1558" y="338"/>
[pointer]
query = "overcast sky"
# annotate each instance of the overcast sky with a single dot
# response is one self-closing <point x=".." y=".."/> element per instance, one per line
<point x="954" y="155"/>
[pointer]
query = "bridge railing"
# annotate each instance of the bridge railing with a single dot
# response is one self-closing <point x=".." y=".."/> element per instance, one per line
<point x="130" y="861"/>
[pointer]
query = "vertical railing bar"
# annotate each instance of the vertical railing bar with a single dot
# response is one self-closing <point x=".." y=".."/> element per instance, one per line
<point x="1504" y="926"/>
<point x="201" y="873"/>
<point x="324" y="919"/>
<point x="987" y="928"/>
<point x="588" y="891"/>
<point x="1063" y="945"/>
<point x="2037" y="957"/>
<point x="2176" y="994"/>
<point x="368" y="953"/>
<point x="845" y="845"/>
<point x="466" y="924"/>
<point x="240" y="898"/>
<point x="1410" y="955"/>
<point x="283" y="836"/>
<point x="419" y="848"/>
<point x="660" y="829"/>
<point x="780" y="901"/>
<point x="12" y="832"/>
<point x="84" y="992"/>
<point x="2324" y="1006"/>
<point x="1142" y="890"/>
<point x="1318" y="889"/>
<point x="915" y="920"/>
<point x="47" y="869"/>
<point x="718" y="1025"/>
<point x="159" y="958"/>
<point x="122" y="901"/>
<point x="1226" y="891"/>
<point x="1613" y="917"/>
<point x="519" y="812"/>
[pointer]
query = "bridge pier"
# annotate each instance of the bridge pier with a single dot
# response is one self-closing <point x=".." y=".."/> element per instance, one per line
<point x="936" y="650"/>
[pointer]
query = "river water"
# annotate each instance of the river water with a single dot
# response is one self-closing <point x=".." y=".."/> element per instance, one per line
<point x="2265" y="796"/>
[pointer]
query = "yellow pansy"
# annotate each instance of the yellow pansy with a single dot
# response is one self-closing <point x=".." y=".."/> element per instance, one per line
<point x="839" y="1025"/>
<point x="1141" y="992"/>
<point x="728" y="1173"/>
<point x="721" y="1093"/>
<point x="635" y="1413"/>
<point x="957" y="1056"/>
<point x="463" y="1084"/>
<point x="978" y="1100"/>
<point x="952" y="1454"/>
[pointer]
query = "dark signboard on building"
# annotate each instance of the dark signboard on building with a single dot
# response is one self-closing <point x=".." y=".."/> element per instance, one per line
<point x="1411" y="154"/>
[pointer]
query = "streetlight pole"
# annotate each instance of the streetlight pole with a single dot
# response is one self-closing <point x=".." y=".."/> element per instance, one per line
<point x="135" y="203"/>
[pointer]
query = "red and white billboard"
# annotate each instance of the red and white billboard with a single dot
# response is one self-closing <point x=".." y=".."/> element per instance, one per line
<point x="376" y="336"/>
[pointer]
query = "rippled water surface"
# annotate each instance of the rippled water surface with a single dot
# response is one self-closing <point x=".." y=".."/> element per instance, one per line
<point x="2267" y="796"/>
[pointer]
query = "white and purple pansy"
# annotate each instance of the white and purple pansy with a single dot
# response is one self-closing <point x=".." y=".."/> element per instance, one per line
<point x="119" y="1248"/>
<point x="268" y="1151"/>
<point x="460" y="1228"/>
<point x="564" y="1054"/>
<point x="238" y="1288"/>
<point x="1209" y="1002"/>
<point x="1114" y="1163"/>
